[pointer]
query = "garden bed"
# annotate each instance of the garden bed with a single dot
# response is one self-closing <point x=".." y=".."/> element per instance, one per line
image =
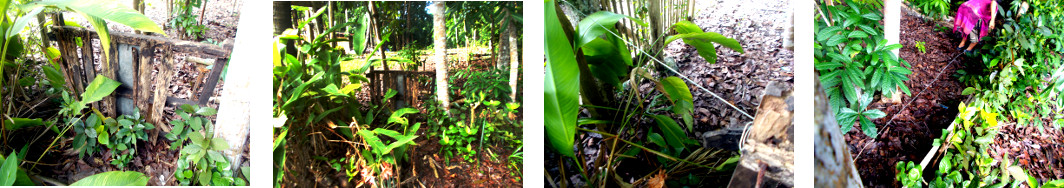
<point x="923" y="120"/>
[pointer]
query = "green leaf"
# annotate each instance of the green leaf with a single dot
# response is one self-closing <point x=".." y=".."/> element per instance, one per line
<point x="397" y="116"/>
<point x="98" y="89"/>
<point x="114" y="178"/>
<point x="657" y="139"/>
<point x="18" y="123"/>
<point x="680" y="95"/>
<point x="703" y="42"/>
<point x="594" y="25"/>
<point x="217" y="143"/>
<point x="22" y="21"/>
<point x="8" y="172"/>
<point x="835" y="40"/>
<point x="868" y="127"/>
<point x="969" y="91"/>
<point x="673" y="133"/>
<point x="561" y="84"/>
<point x="206" y="111"/>
<point x="857" y="34"/>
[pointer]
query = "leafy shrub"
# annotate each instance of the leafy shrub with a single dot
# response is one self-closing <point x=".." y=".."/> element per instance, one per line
<point x="121" y="136"/>
<point x="193" y="119"/>
<point x="853" y="57"/>
<point x="87" y="131"/>
<point x="186" y="21"/>
<point x="933" y="8"/>
<point x="201" y="161"/>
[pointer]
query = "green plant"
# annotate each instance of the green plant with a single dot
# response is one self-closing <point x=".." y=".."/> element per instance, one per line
<point x="457" y="139"/>
<point x="201" y="161"/>
<point x="920" y="46"/>
<point x="933" y="8"/>
<point x="909" y="174"/>
<point x="193" y="119"/>
<point x="11" y="173"/>
<point x="87" y="131"/>
<point x="114" y="178"/>
<point x="121" y="136"/>
<point x="860" y="113"/>
<point x="186" y="21"/>
<point x="853" y="57"/>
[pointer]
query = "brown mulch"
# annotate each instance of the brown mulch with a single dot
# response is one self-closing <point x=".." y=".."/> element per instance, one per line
<point x="1040" y="153"/>
<point x="923" y="120"/>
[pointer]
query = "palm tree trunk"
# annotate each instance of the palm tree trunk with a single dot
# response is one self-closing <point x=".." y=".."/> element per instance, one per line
<point x="439" y="36"/>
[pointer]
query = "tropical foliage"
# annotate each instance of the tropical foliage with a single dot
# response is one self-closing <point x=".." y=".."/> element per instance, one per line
<point x="854" y="60"/>
<point x="590" y="64"/>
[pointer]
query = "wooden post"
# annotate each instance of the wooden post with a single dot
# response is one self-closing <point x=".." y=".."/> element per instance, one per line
<point x="162" y="90"/>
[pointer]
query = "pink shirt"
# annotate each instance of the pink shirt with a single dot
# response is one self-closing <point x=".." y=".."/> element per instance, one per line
<point x="973" y="12"/>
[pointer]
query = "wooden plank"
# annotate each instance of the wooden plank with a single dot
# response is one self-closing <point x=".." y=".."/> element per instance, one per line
<point x="174" y="101"/>
<point x="207" y="50"/>
<point x="142" y="90"/>
<point x="212" y="81"/>
<point x="162" y="90"/>
<point x="88" y="68"/>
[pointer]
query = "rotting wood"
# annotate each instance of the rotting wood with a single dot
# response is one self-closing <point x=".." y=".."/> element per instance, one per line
<point x="203" y="49"/>
<point x="212" y="81"/>
<point x="770" y="143"/>
<point x="162" y="81"/>
<point x="87" y="57"/>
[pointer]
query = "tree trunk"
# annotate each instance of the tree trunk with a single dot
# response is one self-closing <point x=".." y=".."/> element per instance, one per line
<point x="503" y="57"/>
<point x="439" y="36"/>
<point x="375" y="20"/>
<point x="514" y="57"/>
<point x="282" y="19"/>
<point x="234" y="108"/>
<point x="833" y="162"/>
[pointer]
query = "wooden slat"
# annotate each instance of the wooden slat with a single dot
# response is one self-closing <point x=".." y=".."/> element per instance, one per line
<point x="207" y="50"/>
<point x="212" y="81"/>
<point x="162" y="90"/>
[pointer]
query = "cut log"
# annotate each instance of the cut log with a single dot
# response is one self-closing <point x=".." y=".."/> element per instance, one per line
<point x="768" y="150"/>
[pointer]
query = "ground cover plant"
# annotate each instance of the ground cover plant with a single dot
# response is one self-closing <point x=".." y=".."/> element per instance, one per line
<point x="340" y="120"/>
<point x="51" y="119"/>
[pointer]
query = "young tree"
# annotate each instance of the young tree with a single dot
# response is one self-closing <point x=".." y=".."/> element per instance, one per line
<point x="514" y="59"/>
<point x="440" y="57"/>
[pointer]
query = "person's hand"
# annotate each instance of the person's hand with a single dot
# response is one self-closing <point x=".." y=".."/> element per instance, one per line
<point x="991" y="26"/>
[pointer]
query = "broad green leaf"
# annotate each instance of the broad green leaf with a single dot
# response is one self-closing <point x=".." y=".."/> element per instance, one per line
<point x="18" y="123"/>
<point x="217" y="143"/>
<point x="868" y="127"/>
<point x="657" y="139"/>
<point x="673" y="134"/>
<point x="561" y="84"/>
<point x="397" y="116"/>
<point x="375" y="143"/>
<point x="114" y="178"/>
<point x="8" y="172"/>
<point x="594" y="25"/>
<point x="680" y="95"/>
<point x="358" y="36"/>
<point x="21" y="21"/>
<point x="703" y="42"/>
<point x="684" y="27"/>
<point x="206" y="111"/>
<point x="332" y="90"/>
<point x="98" y="89"/>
